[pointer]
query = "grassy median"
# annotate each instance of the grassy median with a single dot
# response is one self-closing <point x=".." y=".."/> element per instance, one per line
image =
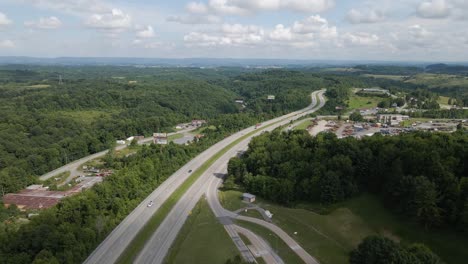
<point x="195" y="243"/>
<point x="137" y="244"/>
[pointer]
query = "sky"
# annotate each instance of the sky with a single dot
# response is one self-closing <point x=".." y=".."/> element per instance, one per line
<point x="390" y="30"/>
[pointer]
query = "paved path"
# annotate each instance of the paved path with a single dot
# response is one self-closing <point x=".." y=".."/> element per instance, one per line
<point x="73" y="167"/>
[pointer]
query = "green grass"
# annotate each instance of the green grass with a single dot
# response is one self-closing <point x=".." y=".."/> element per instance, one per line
<point x="439" y="80"/>
<point x="330" y="236"/>
<point x="443" y="100"/>
<point x="276" y="243"/>
<point x="85" y="116"/>
<point x="357" y="102"/>
<point x="231" y="200"/>
<point x="61" y="178"/>
<point x="175" y="136"/>
<point x="195" y="243"/>
<point x="303" y="125"/>
<point x="390" y="77"/>
<point x="252" y="213"/>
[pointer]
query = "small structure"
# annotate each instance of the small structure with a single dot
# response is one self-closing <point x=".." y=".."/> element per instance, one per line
<point x="198" y="123"/>
<point x="392" y="119"/>
<point x="240" y="101"/>
<point x="160" y="138"/>
<point x="269" y="214"/>
<point x="247" y="197"/>
<point x="271" y="97"/>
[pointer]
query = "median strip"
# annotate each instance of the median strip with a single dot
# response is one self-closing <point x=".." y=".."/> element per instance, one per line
<point x="138" y="242"/>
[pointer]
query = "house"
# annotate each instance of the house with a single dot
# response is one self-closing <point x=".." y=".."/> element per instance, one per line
<point x="247" y="197"/>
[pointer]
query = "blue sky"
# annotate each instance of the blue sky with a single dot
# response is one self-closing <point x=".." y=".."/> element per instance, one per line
<point x="424" y="30"/>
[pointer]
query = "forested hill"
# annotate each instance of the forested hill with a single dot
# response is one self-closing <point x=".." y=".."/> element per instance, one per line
<point x="45" y="124"/>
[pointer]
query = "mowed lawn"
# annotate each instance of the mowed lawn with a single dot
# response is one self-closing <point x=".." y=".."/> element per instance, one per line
<point x="202" y="239"/>
<point x="357" y="102"/>
<point x="303" y="125"/>
<point x="330" y="237"/>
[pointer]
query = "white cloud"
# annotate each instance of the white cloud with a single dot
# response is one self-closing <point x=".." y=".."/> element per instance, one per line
<point x="418" y="32"/>
<point x="361" y="38"/>
<point x="4" y="20"/>
<point x="115" y="21"/>
<point x="434" y="9"/>
<point x="315" y="25"/>
<point x="245" y="7"/>
<point x="228" y="35"/>
<point x="281" y="33"/>
<point x="147" y="32"/>
<point x="45" y="23"/>
<point x="195" y="19"/>
<point x="366" y="16"/>
<point x="7" y="44"/>
<point x="70" y="6"/>
<point x="197" y="8"/>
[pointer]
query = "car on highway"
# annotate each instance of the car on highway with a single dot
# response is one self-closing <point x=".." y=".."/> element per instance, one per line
<point x="150" y="204"/>
<point x="189" y="171"/>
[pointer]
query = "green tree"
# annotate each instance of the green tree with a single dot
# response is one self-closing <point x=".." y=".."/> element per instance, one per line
<point x="356" y="116"/>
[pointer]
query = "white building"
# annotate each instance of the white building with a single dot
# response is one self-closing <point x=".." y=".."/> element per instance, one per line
<point x="392" y="119"/>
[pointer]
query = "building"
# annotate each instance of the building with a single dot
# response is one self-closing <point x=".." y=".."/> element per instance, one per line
<point x="240" y="101"/>
<point x="391" y="119"/>
<point x="197" y="122"/>
<point x="160" y="138"/>
<point x="247" y="197"/>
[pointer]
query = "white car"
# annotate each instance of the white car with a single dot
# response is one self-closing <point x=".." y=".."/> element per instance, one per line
<point x="150" y="204"/>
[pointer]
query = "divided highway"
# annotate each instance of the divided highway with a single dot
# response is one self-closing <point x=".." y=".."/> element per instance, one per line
<point x="157" y="247"/>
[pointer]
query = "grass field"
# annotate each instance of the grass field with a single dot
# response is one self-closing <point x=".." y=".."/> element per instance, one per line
<point x="330" y="237"/>
<point x="202" y="239"/>
<point x="439" y="80"/>
<point x="283" y="250"/>
<point x="443" y="100"/>
<point x="175" y="136"/>
<point x="357" y="102"/>
<point x="303" y="125"/>
<point x="390" y="77"/>
<point x="86" y="116"/>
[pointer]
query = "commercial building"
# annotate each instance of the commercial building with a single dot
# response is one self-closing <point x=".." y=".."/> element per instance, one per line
<point x="391" y="119"/>
<point x="160" y="138"/>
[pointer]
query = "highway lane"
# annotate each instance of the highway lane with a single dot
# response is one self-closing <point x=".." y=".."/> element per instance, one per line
<point x="118" y="240"/>
<point x="159" y="244"/>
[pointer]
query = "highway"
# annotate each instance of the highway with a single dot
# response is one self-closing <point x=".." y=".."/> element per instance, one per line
<point x="159" y="244"/>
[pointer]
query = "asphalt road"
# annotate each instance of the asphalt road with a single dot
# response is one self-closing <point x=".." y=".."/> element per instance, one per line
<point x="159" y="244"/>
<point x="73" y="166"/>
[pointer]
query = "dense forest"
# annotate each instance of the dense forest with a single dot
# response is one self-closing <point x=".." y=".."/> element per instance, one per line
<point x="422" y="176"/>
<point x="45" y="124"/>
